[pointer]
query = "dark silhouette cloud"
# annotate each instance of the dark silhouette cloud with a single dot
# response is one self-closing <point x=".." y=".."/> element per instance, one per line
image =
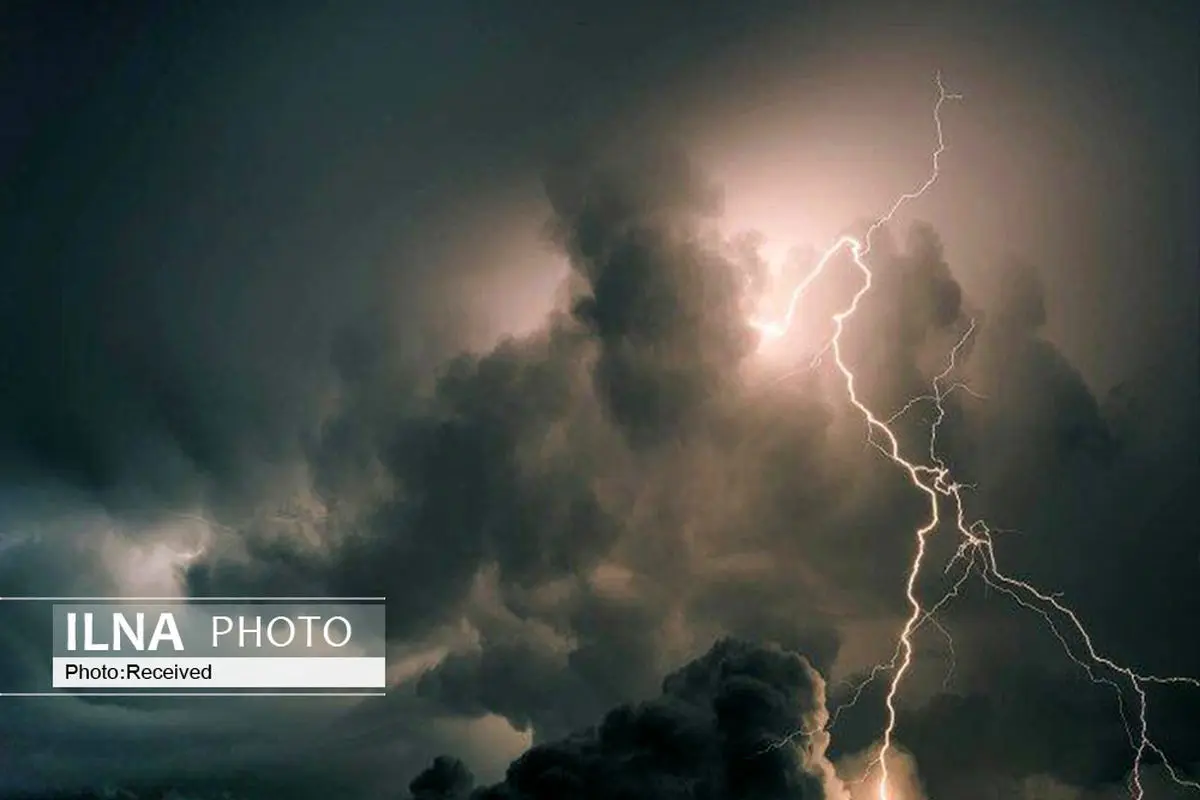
<point x="709" y="735"/>
<point x="665" y="308"/>
<point x="447" y="778"/>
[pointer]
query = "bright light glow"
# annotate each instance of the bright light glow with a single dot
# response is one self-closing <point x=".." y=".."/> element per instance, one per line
<point x="976" y="552"/>
<point x="145" y="564"/>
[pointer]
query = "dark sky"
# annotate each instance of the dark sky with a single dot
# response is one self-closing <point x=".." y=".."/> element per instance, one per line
<point x="450" y="302"/>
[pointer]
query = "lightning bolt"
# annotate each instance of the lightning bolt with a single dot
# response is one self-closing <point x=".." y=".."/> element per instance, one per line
<point x="933" y="478"/>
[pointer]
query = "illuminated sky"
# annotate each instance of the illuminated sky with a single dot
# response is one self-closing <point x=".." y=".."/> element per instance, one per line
<point x="467" y="281"/>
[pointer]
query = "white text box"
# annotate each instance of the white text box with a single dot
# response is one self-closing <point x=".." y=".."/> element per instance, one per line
<point x="220" y="673"/>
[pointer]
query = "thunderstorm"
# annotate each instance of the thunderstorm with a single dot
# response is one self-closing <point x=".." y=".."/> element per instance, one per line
<point x="931" y="476"/>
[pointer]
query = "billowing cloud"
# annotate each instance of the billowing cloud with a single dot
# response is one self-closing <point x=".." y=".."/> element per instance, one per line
<point x="246" y="349"/>
<point x="729" y="725"/>
<point x="586" y="562"/>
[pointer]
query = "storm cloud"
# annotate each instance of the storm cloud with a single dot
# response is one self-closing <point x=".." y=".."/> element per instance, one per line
<point x="714" y="732"/>
<point x="453" y="307"/>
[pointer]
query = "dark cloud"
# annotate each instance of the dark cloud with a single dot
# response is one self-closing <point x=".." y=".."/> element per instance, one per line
<point x="585" y="601"/>
<point x="1026" y="723"/>
<point x="445" y="779"/>
<point x="522" y="466"/>
<point x="195" y="202"/>
<point x="665" y="308"/>
<point x="587" y="565"/>
<point x="243" y="258"/>
<point x="708" y="735"/>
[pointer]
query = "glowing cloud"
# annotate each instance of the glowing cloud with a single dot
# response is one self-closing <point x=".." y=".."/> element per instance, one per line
<point x="935" y="480"/>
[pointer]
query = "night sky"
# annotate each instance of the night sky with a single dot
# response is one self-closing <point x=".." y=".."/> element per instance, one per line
<point x="451" y="302"/>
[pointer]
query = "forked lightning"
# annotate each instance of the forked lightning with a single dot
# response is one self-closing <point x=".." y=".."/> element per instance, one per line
<point x="976" y="551"/>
